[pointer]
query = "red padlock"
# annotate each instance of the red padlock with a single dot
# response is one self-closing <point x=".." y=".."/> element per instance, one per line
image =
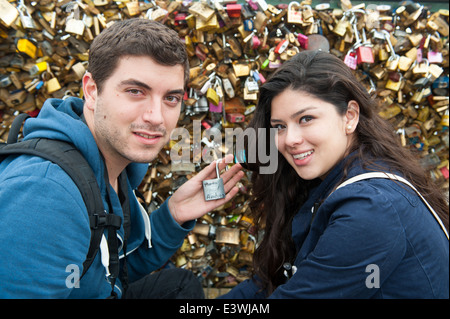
<point x="235" y="117"/>
<point x="281" y="46"/>
<point x="234" y="10"/>
<point x="180" y="19"/>
<point x="364" y="55"/>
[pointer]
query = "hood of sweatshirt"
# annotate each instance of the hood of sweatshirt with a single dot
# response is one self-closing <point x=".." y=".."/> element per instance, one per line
<point x="62" y="120"/>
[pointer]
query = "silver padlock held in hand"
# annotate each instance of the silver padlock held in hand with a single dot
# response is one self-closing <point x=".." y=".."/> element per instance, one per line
<point x="214" y="188"/>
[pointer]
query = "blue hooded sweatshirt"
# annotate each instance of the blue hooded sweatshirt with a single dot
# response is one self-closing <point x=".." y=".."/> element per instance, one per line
<point x="44" y="225"/>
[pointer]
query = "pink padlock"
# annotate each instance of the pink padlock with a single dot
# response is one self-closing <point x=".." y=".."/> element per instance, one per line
<point x="434" y="57"/>
<point x="419" y="56"/>
<point x="262" y="78"/>
<point x="256" y="42"/>
<point x="351" y="60"/>
<point x="215" y="108"/>
<point x="303" y="39"/>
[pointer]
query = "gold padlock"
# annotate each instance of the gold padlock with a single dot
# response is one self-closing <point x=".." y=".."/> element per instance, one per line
<point x="207" y="25"/>
<point x="418" y="96"/>
<point x="212" y="97"/>
<point x="392" y="62"/>
<point x="8" y="13"/>
<point x="308" y="16"/>
<point x="392" y="85"/>
<point x="404" y="63"/>
<point x="341" y="27"/>
<point x="52" y="85"/>
<point x="133" y="7"/>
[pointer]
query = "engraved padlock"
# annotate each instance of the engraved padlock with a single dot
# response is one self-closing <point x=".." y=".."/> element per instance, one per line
<point x="214" y="188"/>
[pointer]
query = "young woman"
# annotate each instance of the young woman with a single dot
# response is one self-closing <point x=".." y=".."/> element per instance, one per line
<point x="374" y="238"/>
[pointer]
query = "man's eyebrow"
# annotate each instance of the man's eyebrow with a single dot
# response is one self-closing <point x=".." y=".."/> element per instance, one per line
<point x="136" y="83"/>
<point x="179" y="91"/>
<point x="145" y="86"/>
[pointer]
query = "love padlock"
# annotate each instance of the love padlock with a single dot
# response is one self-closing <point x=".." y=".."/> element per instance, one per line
<point x="214" y="188"/>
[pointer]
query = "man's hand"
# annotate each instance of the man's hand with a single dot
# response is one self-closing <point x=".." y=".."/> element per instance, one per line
<point x="188" y="202"/>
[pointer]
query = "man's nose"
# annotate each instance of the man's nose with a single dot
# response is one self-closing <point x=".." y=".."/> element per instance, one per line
<point x="153" y="113"/>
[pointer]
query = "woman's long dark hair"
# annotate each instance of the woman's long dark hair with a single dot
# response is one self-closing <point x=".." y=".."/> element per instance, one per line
<point x="277" y="197"/>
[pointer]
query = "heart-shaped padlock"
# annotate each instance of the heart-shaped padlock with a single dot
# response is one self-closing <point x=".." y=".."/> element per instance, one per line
<point x="214" y="188"/>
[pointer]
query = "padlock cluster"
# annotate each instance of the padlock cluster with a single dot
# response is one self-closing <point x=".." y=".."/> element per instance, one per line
<point x="399" y="53"/>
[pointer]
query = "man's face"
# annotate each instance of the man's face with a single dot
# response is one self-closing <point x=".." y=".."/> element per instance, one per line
<point x="137" y="109"/>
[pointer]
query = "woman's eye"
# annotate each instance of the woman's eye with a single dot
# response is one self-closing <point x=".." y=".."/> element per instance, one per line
<point x="278" y="126"/>
<point x="306" y="119"/>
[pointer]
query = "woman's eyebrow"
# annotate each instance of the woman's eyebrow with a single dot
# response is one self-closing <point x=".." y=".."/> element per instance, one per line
<point x="293" y="116"/>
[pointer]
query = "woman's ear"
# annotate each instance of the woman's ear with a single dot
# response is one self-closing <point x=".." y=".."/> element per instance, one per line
<point x="352" y="117"/>
<point x="89" y="90"/>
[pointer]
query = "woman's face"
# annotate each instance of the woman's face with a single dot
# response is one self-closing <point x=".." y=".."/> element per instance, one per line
<point x="312" y="136"/>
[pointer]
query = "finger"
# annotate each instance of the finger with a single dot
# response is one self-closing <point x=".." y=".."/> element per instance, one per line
<point x="231" y="172"/>
<point x="206" y="172"/>
<point x="233" y="181"/>
<point x="223" y="162"/>
<point x="219" y="202"/>
<point x="231" y="194"/>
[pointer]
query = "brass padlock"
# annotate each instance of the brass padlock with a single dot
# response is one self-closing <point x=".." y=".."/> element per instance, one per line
<point x="73" y="23"/>
<point x="133" y="7"/>
<point x="8" y="13"/>
<point x="225" y="235"/>
<point x="393" y="85"/>
<point x="392" y="62"/>
<point x="52" y="85"/>
<point x="51" y="82"/>
<point x="294" y="16"/>
<point x="308" y="16"/>
<point x="341" y="27"/>
<point x="404" y="63"/>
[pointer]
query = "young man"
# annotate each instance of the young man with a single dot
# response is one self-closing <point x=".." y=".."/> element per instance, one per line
<point x="137" y="75"/>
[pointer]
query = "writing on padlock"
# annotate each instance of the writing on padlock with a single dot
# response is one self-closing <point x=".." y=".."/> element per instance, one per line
<point x="214" y="188"/>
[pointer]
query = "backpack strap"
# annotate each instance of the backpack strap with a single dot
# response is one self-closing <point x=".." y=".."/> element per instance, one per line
<point x="70" y="159"/>
<point x="394" y="177"/>
<point x="67" y="156"/>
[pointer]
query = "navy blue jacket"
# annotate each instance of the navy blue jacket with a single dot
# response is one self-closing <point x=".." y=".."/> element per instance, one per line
<point x="370" y="239"/>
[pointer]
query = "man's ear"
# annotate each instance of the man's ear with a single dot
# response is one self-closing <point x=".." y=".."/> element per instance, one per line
<point x="89" y="90"/>
<point x="352" y="116"/>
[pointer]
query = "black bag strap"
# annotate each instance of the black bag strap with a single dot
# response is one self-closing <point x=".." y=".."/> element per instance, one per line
<point x="69" y="158"/>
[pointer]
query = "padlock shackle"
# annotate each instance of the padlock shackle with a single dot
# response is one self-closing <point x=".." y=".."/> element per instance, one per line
<point x="293" y="3"/>
<point x="217" y="168"/>
<point x="387" y="37"/>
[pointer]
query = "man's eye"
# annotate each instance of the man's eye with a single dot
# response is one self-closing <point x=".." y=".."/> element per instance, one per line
<point x="173" y="99"/>
<point x="134" y="91"/>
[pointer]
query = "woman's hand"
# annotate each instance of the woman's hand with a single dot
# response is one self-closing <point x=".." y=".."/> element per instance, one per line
<point x="188" y="202"/>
